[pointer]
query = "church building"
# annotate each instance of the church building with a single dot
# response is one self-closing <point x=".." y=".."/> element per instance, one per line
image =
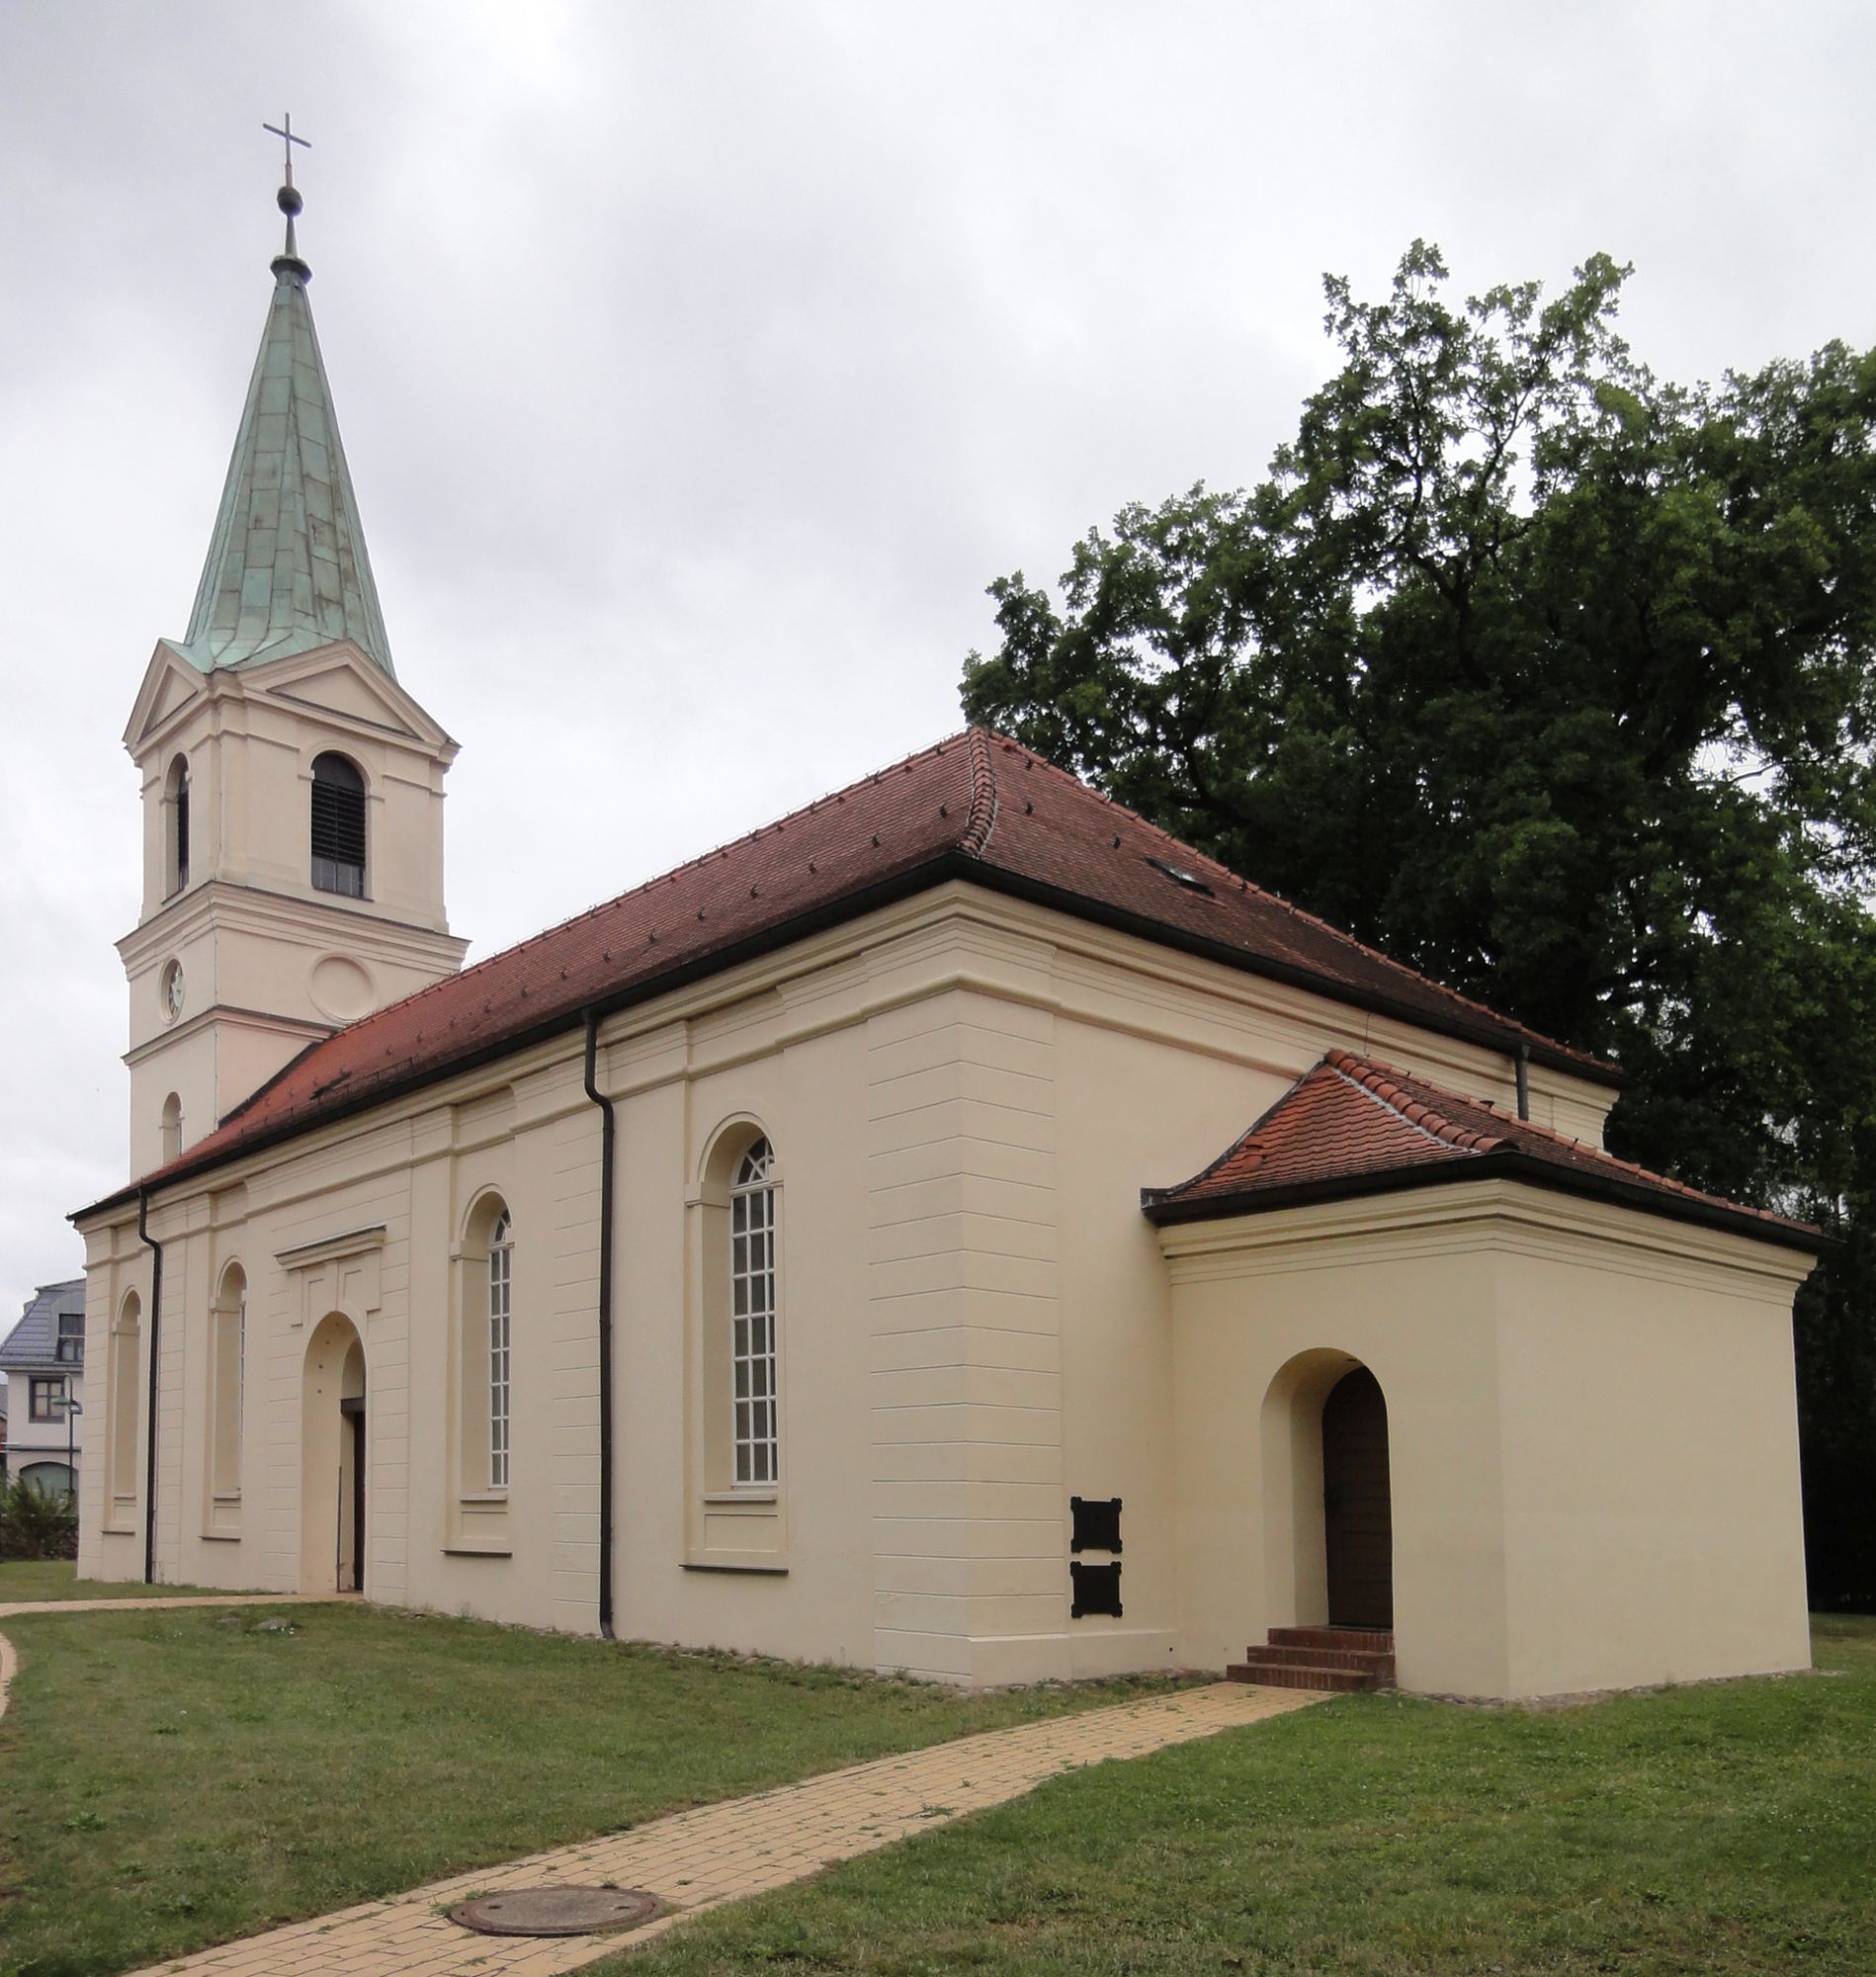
<point x="956" y="1228"/>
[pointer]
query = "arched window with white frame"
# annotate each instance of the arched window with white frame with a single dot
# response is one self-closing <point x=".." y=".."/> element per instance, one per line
<point x="127" y="1349"/>
<point x="752" y="1308"/>
<point x="500" y="1286"/>
<point x="229" y="1379"/>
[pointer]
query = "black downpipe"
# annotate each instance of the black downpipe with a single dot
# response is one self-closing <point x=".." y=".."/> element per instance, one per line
<point x="156" y="1341"/>
<point x="608" y="1132"/>
<point x="1524" y="1081"/>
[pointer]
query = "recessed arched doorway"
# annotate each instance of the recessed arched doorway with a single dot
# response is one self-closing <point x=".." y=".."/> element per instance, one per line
<point x="1327" y="1502"/>
<point x="333" y="1463"/>
<point x="1357" y="1506"/>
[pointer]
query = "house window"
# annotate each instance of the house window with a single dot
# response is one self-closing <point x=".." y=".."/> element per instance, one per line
<point x="752" y="1318"/>
<point x="500" y="1305"/>
<point x="176" y="813"/>
<point x="338" y="827"/>
<point x="45" y="1399"/>
<point x="71" y="1338"/>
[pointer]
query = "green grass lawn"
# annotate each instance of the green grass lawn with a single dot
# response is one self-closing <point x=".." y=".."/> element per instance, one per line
<point x="1726" y="1829"/>
<point x="170" y="1779"/>
<point x="51" y="1579"/>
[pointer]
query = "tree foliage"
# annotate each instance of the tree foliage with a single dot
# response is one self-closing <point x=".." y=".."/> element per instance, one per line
<point x="1557" y="681"/>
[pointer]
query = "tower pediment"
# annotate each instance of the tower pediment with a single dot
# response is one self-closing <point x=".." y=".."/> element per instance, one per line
<point x="342" y="680"/>
<point x="170" y="685"/>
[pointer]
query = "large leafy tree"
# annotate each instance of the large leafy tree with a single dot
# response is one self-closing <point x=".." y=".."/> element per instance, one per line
<point x="1557" y="681"/>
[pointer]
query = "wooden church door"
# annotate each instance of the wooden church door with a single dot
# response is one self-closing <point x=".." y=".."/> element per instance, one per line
<point x="1357" y="1510"/>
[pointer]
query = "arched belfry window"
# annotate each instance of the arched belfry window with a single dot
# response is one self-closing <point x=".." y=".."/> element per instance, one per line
<point x="172" y="1127"/>
<point x="338" y="826"/>
<point x="501" y="1256"/>
<point x="176" y="835"/>
<point x="752" y="1317"/>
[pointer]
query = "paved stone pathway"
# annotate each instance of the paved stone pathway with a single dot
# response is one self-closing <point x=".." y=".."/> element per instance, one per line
<point x="716" y="1853"/>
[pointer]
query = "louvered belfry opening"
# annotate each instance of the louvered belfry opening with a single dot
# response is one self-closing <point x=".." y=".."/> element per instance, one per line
<point x="338" y="827"/>
<point x="176" y="792"/>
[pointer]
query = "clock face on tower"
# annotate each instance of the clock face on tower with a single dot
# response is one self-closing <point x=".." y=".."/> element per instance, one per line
<point x="172" y="990"/>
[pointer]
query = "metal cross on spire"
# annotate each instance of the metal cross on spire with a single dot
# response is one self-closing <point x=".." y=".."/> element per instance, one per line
<point x="284" y="131"/>
<point x="290" y="200"/>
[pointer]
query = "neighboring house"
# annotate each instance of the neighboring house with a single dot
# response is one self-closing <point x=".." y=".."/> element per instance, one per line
<point x="3" y="1429"/>
<point x="43" y="1360"/>
<point x="795" y="1254"/>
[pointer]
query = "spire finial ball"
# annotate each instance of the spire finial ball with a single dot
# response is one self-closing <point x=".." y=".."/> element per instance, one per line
<point x="291" y="204"/>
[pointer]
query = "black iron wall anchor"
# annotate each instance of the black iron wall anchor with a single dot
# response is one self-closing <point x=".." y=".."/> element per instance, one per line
<point x="1096" y="1589"/>
<point x="1094" y="1526"/>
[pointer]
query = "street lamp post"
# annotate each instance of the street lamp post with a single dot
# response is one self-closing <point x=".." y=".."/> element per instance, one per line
<point x="71" y="1408"/>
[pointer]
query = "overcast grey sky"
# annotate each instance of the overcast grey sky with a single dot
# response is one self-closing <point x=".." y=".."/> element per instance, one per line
<point x="698" y="365"/>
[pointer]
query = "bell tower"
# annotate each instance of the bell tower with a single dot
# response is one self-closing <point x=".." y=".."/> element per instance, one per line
<point x="292" y="790"/>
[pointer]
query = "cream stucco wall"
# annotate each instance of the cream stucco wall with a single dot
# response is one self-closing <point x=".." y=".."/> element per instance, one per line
<point x="964" y="1096"/>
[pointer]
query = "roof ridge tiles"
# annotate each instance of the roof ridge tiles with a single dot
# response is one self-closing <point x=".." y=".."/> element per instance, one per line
<point x="1382" y="1083"/>
<point x="1518" y="1130"/>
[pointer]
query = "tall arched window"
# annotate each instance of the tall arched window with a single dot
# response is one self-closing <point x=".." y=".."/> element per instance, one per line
<point x="176" y="821"/>
<point x="126" y="1337"/>
<point x="481" y="1368"/>
<point x="501" y="1253"/>
<point x="228" y="1372"/>
<point x="172" y="1124"/>
<point x="338" y="826"/>
<point x="752" y="1317"/>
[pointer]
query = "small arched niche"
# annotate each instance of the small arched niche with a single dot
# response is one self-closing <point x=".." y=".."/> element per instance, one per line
<point x="170" y="1127"/>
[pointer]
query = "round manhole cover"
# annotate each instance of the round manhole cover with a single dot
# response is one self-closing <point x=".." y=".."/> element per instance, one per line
<point x="556" y="1911"/>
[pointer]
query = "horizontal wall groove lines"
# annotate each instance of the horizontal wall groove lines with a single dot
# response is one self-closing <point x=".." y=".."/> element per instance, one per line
<point x="895" y="1202"/>
<point x="952" y="1157"/>
<point x="945" y="1235"/>
<point x="959" y="1080"/>
<point x="1002" y="1348"/>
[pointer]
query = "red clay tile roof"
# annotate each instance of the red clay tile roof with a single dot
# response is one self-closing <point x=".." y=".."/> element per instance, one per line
<point x="1352" y="1126"/>
<point x="974" y="805"/>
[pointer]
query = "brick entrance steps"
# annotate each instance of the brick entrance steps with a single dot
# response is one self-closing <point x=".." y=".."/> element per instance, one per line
<point x="1333" y="1657"/>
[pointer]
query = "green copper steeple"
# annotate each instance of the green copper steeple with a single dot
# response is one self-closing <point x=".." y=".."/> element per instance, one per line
<point x="286" y="569"/>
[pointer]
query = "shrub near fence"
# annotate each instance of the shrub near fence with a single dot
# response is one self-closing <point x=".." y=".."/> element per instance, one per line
<point x="36" y="1522"/>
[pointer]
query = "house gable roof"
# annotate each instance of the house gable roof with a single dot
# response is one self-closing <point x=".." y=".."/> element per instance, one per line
<point x="976" y="805"/>
<point x="1353" y="1126"/>
<point x="34" y="1341"/>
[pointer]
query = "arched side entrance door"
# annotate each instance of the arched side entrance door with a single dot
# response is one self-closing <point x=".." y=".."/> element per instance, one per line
<point x="1357" y="1506"/>
<point x="332" y="1460"/>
